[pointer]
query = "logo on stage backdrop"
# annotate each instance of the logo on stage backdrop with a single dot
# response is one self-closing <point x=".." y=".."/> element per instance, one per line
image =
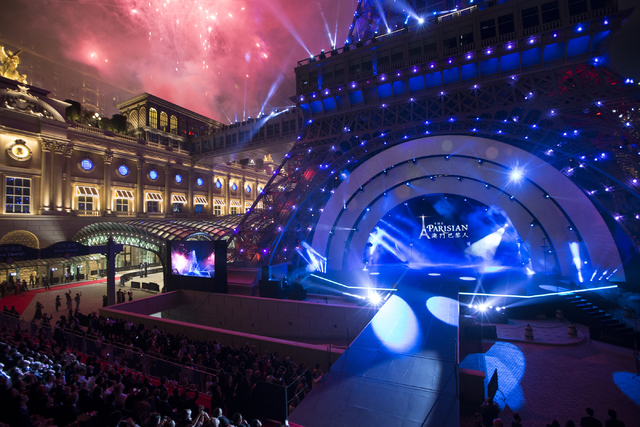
<point x="440" y="230"/>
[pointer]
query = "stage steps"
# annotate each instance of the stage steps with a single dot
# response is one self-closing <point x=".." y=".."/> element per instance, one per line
<point x="605" y="324"/>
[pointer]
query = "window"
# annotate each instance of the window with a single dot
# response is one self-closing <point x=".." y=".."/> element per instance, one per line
<point x="217" y="210"/>
<point x="157" y="197"/>
<point x="430" y="45"/>
<point x="487" y="29"/>
<point x="177" y="207"/>
<point x="86" y="164"/>
<point x="415" y="49"/>
<point x="505" y="24"/>
<point x="234" y="210"/>
<point x="466" y="35"/>
<point x="530" y="17"/>
<point x="142" y="117"/>
<point x="18" y="195"/>
<point x="367" y="63"/>
<point x="153" y="118"/>
<point x="86" y="191"/>
<point x="174" y="125"/>
<point x="85" y="203"/>
<point x="133" y="119"/>
<point x="396" y="54"/>
<point x="576" y="7"/>
<point x="122" y="205"/>
<point x="163" y="121"/>
<point x="199" y="209"/>
<point x="124" y="194"/>
<point x="152" y="206"/>
<point x="550" y="12"/>
<point x="450" y="40"/>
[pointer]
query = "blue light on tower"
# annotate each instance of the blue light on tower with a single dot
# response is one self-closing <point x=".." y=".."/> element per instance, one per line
<point x="199" y="182"/>
<point x="178" y="178"/>
<point x="153" y="174"/>
<point x="123" y="170"/>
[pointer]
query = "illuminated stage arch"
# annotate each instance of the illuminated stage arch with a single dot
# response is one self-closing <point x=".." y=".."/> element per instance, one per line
<point x="560" y="209"/>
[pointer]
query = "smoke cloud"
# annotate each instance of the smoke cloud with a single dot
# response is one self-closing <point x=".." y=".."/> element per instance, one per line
<point x="203" y="55"/>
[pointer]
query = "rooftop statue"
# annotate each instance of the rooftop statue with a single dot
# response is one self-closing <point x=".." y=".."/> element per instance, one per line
<point x="10" y="62"/>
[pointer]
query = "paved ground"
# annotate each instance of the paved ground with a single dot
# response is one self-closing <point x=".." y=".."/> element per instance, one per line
<point x="547" y="382"/>
<point x="549" y="331"/>
<point x="91" y="299"/>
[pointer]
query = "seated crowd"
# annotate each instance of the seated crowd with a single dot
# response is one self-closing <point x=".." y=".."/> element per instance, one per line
<point x="44" y="383"/>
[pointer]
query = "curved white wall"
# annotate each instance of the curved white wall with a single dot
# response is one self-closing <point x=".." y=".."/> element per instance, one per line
<point x="540" y="178"/>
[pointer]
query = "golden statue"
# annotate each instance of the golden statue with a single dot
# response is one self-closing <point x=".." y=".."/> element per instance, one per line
<point x="9" y="66"/>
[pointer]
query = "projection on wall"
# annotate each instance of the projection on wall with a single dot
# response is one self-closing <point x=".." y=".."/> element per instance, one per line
<point x="447" y="231"/>
<point x="193" y="258"/>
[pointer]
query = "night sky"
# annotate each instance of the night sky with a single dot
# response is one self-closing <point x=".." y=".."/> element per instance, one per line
<point x="221" y="58"/>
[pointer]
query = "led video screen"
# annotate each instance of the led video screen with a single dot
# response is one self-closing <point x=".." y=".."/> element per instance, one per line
<point x="446" y="230"/>
<point x="193" y="259"/>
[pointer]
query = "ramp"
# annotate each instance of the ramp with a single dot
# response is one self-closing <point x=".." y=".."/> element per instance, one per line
<point x="400" y="371"/>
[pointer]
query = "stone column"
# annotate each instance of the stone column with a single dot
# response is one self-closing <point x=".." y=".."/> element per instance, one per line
<point x="256" y="193"/>
<point x="68" y="188"/>
<point x="190" y="204"/>
<point x="242" y="194"/>
<point x="58" y="167"/>
<point x="210" y="193"/>
<point x="140" y="187"/>
<point x="227" y="195"/>
<point x="107" y="157"/>
<point x="46" y="179"/>
<point x="167" y="189"/>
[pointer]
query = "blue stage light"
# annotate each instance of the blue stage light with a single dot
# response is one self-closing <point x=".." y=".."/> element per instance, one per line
<point x="516" y="175"/>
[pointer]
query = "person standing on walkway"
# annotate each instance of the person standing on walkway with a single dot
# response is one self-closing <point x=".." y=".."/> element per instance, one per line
<point x="69" y="300"/>
<point x="32" y="280"/>
<point x="130" y="293"/>
<point x="45" y="283"/>
<point x="66" y="277"/>
<point x="58" y="302"/>
<point x="77" y="299"/>
<point x="39" y="308"/>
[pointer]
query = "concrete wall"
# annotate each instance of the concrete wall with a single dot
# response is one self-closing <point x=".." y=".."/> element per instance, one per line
<point x="299" y="352"/>
<point x="281" y="319"/>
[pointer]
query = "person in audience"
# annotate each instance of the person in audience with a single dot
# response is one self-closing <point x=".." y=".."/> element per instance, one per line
<point x="613" y="420"/>
<point x="589" y="420"/>
<point x="489" y="411"/>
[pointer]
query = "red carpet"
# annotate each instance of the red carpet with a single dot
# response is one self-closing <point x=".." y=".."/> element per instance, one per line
<point x="21" y="302"/>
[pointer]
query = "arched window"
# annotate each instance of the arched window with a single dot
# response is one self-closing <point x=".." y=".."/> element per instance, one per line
<point x="163" y="121"/>
<point x="153" y="118"/>
<point x="142" y="117"/>
<point x="174" y="125"/>
<point x="133" y="119"/>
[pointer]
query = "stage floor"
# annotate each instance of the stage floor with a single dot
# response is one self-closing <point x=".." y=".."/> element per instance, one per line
<point x="401" y="369"/>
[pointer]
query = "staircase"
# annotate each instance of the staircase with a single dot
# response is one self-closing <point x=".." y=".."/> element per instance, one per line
<point x="604" y="318"/>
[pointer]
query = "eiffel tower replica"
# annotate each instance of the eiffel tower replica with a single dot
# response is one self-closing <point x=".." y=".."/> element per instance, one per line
<point x="533" y="77"/>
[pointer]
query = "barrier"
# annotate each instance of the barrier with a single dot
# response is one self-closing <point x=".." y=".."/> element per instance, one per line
<point x="135" y="285"/>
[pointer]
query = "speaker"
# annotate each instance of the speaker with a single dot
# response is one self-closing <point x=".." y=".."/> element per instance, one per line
<point x="265" y="272"/>
<point x="220" y="265"/>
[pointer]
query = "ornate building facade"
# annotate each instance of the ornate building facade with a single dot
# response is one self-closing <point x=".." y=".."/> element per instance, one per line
<point x="60" y="176"/>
